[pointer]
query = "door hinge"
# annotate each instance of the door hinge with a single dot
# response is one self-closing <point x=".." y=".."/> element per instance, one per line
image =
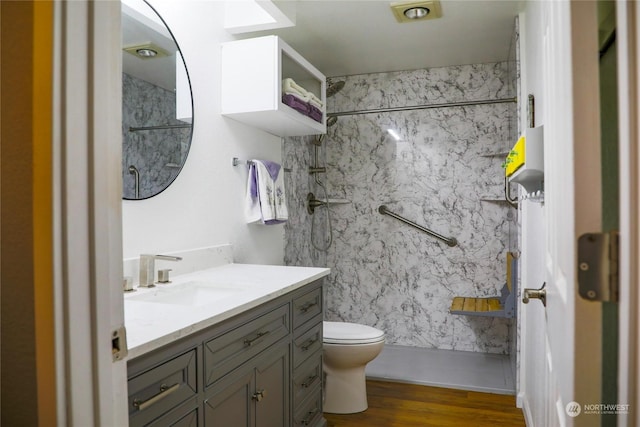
<point x="119" y="344"/>
<point x="598" y="266"/>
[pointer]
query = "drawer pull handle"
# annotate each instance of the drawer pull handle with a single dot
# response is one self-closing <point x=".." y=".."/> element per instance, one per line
<point x="310" y="381"/>
<point x="259" y="395"/>
<point x="249" y="342"/>
<point x="312" y="413"/>
<point x="307" y="344"/>
<point x="307" y="306"/>
<point x="164" y="392"/>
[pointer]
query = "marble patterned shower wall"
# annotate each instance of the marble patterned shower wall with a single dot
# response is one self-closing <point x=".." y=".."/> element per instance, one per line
<point x="442" y="170"/>
<point x="157" y="154"/>
<point x="297" y="155"/>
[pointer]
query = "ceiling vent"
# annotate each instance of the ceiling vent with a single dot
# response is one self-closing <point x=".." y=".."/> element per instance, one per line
<point x="412" y="11"/>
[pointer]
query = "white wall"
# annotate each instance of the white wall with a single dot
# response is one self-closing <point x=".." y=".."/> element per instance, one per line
<point x="204" y="205"/>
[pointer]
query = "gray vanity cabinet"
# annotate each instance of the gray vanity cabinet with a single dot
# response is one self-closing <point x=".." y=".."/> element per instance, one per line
<point x="261" y="368"/>
<point x="255" y="394"/>
<point x="306" y="363"/>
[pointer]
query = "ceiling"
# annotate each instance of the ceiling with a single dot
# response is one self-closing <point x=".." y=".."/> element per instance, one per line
<point x="363" y="36"/>
<point x="140" y="26"/>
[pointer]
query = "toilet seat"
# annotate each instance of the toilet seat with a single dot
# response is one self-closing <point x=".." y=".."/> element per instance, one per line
<point x="345" y="333"/>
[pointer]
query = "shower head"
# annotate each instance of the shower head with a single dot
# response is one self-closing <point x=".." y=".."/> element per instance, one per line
<point x="331" y="120"/>
<point x="333" y="88"/>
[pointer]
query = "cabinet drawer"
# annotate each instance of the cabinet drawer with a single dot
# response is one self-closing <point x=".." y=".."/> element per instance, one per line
<point x="310" y="412"/>
<point x="186" y="415"/>
<point x="306" y="378"/>
<point x="306" y="307"/>
<point x="307" y="343"/>
<point x="230" y="350"/>
<point x="159" y="389"/>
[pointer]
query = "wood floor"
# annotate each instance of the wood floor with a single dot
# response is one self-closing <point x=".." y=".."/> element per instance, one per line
<point x="404" y="405"/>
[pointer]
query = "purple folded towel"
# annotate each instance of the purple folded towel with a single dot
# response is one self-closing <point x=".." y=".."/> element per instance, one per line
<point x="296" y="103"/>
<point x="315" y="113"/>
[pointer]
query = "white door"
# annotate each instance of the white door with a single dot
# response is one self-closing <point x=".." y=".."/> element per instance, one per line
<point x="561" y="344"/>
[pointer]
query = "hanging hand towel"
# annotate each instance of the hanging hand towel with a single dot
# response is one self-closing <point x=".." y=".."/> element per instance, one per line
<point x="266" y="201"/>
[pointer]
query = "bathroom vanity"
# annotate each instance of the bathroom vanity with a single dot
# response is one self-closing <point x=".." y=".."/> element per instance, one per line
<point x="256" y="360"/>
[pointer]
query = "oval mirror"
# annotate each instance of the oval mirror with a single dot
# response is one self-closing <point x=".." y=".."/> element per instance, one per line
<point x="157" y="106"/>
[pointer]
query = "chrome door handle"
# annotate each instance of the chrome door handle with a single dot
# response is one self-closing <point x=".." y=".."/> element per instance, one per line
<point x="540" y="294"/>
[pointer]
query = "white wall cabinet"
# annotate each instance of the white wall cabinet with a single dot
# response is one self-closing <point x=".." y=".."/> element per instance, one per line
<point x="252" y="75"/>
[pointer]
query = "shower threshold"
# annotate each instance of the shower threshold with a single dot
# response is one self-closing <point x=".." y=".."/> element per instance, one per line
<point x="464" y="370"/>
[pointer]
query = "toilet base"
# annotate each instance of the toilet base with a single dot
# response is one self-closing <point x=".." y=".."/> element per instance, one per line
<point x="345" y="391"/>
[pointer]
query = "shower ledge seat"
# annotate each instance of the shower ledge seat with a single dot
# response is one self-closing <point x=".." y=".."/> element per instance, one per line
<point x="502" y="306"/>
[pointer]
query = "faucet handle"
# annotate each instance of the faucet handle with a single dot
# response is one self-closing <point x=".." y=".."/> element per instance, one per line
<point x="127" y="284"/>
<point x="163" y="275"/>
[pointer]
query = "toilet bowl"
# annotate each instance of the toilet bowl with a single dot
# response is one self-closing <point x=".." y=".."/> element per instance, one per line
<point x="347" y="348"/>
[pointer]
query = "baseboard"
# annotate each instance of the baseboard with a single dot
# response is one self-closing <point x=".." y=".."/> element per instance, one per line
<point x="526" y="409"/>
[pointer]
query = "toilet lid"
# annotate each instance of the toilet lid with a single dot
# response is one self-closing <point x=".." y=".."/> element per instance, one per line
<point x="350" y="333"/>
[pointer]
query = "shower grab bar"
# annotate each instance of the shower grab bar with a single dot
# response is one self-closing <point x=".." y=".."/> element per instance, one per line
<point x="448" y="240"/>
<point x="236" y="162"/>
<point x="136" y="129"/>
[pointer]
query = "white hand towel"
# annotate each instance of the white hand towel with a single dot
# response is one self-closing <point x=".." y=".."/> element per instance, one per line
<point x="315" y="101"/>
<point x="266" y="201"/>
<point x="290" y="87"/>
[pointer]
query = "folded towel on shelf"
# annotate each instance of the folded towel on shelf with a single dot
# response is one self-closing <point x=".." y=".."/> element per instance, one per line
<point x="266" y="201"/>
<point x="290" y="87"/>
<point x="315" y="113"/>
<point x="296" y="103"/>
<point x="315" y="101"/>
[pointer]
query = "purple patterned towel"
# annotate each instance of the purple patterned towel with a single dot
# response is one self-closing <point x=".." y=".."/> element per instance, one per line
<point x="296" y="103"/>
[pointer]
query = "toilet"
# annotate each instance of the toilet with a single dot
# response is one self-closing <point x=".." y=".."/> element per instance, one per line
<point x="347" y="348"/>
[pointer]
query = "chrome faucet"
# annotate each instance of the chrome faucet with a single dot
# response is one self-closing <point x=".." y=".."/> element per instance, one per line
<point x="147" y="267"/>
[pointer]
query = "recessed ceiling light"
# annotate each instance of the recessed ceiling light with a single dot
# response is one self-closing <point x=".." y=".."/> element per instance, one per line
<point x="412" y="11"/>
<point x="416" y="12"/>
<point x="146" y="51"/>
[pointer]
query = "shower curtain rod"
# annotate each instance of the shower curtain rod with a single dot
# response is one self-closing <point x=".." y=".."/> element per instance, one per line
<point x="424" y="107"/>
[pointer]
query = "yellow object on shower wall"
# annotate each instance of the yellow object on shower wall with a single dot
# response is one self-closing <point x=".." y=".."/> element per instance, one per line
<point x="516" y="157"/>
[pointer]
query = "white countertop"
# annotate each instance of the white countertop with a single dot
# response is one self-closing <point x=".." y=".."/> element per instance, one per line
<point x="151" y="325"/>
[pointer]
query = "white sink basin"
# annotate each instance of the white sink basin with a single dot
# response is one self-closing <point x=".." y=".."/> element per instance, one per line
<point x="192" y="294"/>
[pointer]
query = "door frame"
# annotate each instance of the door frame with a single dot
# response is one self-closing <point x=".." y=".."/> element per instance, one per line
<point x="87" y="217"/>
<point x="628" y="48"/>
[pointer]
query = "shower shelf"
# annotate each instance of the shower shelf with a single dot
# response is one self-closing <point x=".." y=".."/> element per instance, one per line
<point x="338" y="201"/>
<point x="493" y="200"/>
<point x="500" y="154"/>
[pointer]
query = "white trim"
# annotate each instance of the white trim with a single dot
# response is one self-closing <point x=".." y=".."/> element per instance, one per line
<point x="87" y="241"/>
<point x="523" y="398"/>
<point x="628" y="95"/>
